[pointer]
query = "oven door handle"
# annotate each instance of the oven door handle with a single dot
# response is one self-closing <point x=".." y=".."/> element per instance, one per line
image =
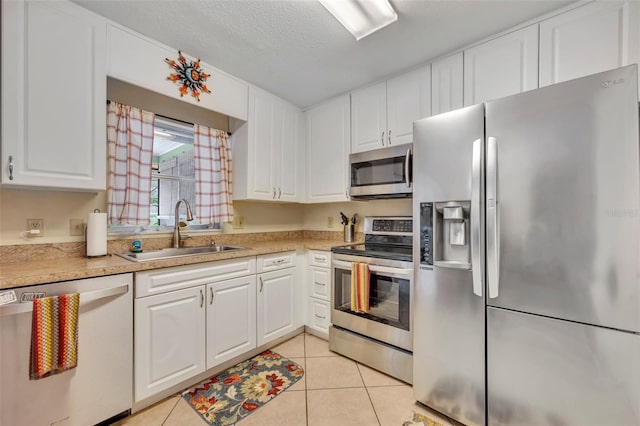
<point x="385" y="270"/>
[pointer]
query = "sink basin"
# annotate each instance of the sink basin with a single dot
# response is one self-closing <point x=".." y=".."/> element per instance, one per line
<point x="169" y="253"/>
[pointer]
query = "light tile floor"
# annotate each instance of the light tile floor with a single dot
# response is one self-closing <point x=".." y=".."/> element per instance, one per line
<point x="335" y="391"/>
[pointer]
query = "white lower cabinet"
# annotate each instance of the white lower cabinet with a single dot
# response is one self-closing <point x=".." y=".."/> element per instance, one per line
<point x="319" y="291"/>
<point x="276" y="297"/>
<point x="231" y="319"/>
<point x="188" y="319"/>
<point x="169" y="339"/>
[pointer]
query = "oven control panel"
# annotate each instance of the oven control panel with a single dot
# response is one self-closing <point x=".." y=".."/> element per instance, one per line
<point x="402" y="225"/>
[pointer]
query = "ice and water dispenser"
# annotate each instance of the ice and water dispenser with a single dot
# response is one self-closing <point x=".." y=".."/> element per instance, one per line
<point x="445" y="234"/>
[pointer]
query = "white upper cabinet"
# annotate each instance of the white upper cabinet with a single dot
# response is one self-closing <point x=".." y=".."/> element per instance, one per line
<point x="268" y="150"/>
<point x="53" y="96"/>
<point x="139" y="60"/>
<point x="501" y="67"/>
<point x="383" y="114"/>
<point x="592" y="38"/>
<point x="369" y="118"/>
<point x="446" y="84"/>
<point x="328" y="128"/>
<point x="408" y="100"/>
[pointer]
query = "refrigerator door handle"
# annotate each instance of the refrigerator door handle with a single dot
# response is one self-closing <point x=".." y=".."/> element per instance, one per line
<point x="493" y="219"/>
<point x="476" y="208"/>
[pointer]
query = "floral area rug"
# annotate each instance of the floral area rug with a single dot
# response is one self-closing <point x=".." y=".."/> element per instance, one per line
<point x="421" y="420"/>
<point x="238" y="391"/>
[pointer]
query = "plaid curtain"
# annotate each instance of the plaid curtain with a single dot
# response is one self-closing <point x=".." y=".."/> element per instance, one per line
<point x="213" y="175"/>
<point x="130" y="146"/>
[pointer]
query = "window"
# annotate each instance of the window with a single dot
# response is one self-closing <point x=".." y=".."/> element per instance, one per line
<point x="173" y="170"/>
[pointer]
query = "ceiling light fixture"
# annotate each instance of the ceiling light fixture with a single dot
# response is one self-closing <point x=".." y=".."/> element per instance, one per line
<point x="361" y="17"/>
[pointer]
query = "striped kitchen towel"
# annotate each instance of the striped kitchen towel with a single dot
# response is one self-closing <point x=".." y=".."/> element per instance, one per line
<point x="360" y="287"/>
<point x="54" y="335"/>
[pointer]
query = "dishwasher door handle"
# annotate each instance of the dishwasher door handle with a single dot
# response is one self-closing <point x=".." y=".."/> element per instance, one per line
<point x="89" y="296"/>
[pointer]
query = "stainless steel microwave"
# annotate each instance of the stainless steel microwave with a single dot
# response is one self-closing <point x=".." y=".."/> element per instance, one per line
<point x="381" y="173"/>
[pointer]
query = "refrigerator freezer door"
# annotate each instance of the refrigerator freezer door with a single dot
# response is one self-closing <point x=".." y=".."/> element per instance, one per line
<point x="543" y="371"/>
<point x="567" y="197"/>
<point x="448" y="345"/>
<point x="449" y="319"/>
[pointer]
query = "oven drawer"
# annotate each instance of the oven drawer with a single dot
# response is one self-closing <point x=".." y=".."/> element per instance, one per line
<point x="319" y="311"/>
<point x="319" y="282"/>
<point x="319" y="258"/>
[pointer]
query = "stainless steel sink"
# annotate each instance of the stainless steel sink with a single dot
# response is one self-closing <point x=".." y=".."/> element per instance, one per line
<point x="169" y="253"/>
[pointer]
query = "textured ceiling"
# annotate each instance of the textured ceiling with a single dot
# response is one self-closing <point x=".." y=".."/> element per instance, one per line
<point x="298" y="51"/>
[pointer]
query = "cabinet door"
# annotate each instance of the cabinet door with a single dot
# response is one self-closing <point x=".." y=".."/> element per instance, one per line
<point x="231" y="319"/>
<point x="169" y="340"/>
<point x="288" y="153"/>
<point x="501" y="67"/>
<point x="369" y="118"/>
<point x="328" y="130"/>
<point x="408" y="100"/>
<point x="53" y="96"/>
<point x="261" y="145"/>
<point x="592" y="38"/>
<point x="446" y="84"/>
<point x="275" y="304"/>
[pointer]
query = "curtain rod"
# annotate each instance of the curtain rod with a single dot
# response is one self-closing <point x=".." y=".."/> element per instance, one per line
<point x="174" y="119"/>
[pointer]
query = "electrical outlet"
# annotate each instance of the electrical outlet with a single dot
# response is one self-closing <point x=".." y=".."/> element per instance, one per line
<point x="238" y="222"/>
<point x="76" y="227"/>
<point x="330" y="222"/>
<point x="35" y="227"/>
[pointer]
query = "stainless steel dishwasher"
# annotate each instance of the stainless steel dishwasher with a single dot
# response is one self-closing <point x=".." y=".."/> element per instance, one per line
<point x="100" y="387"/>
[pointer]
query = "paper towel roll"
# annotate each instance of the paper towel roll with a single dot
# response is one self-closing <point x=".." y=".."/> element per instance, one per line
<point x="97" y="234"/>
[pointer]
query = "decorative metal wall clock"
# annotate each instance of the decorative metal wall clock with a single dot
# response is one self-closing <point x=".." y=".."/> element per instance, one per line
<point x="189" y="76"/>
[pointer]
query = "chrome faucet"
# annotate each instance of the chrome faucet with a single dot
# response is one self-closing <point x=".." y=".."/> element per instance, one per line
<point x="176" y="230"/>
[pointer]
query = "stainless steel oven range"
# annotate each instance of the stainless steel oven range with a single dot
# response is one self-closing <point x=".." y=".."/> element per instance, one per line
<point x="383" y="337"/>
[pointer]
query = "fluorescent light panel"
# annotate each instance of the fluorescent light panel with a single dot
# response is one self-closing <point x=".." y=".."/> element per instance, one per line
<point x="361" y="17"/>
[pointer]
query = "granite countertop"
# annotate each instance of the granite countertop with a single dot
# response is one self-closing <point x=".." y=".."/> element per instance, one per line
<point x="20" y="274"/>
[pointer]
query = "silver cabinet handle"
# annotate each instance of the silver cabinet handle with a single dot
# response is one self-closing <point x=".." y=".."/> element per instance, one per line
<point x="319" y="259"/>
<point x="274" y="193"/>
<point x="476" y="218"/>
<point x="493" y="219"/>
<point x="261" y="284"/>
<point x="407" y="168"/>
<point x="201" y="298"/>
<point x="211" y="291"/>
<point x="389" y="137"/>
<point x="346" y="193"/>
<point x="11" y="167"/>
<point x="317" y="283"/>
<point x="318" y="316"/>
<point x="279" y="192"/>
<point x="382" y="138"/>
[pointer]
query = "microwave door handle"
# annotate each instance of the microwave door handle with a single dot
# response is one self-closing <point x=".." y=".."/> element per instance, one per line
<point x="407" y="168"/>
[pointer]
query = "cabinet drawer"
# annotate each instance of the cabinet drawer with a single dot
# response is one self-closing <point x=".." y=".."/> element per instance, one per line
<point x="319" y="282"/>
<point x="319" y="258"/>
<point x="168" y="279"/>
<point x="319" y="314"/>
<point x="273" y="262"/>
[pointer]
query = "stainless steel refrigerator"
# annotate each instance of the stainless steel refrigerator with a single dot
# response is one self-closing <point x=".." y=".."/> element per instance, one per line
<point x="527" y="257"/>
